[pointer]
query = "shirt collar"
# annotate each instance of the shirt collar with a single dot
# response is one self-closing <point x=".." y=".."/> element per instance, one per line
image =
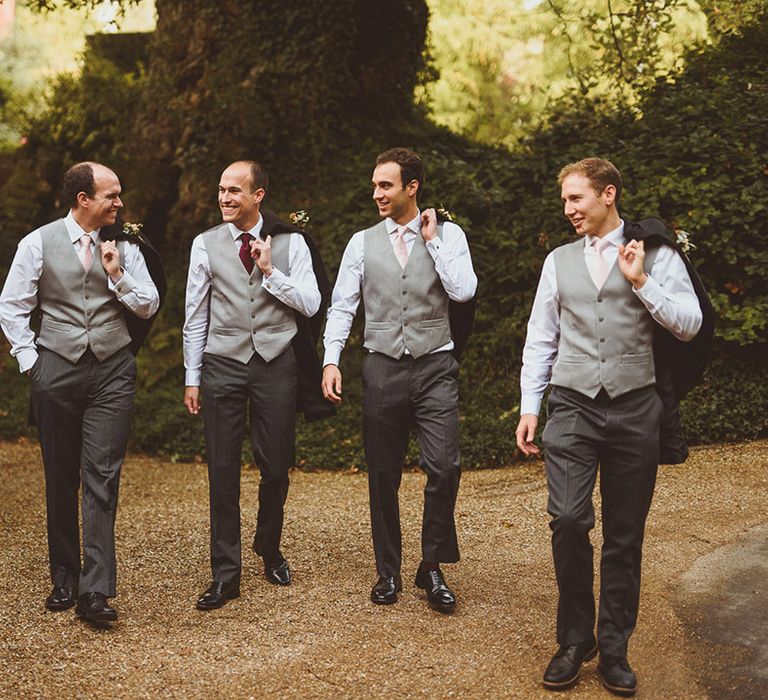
<point x="413" y="226"/>
<point x="254" y="231"/>
<point x="75" y="230"/>
<point x="613" y="237"/>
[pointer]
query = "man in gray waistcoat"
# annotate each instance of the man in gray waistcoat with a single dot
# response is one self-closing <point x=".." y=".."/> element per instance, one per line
<point x="243" y="293"/>
<point x="590" y="336"/>
<point x="406" y="268"/>
<point x="82" y="376"/>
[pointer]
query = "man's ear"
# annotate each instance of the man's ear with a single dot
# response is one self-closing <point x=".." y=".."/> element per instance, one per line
<point x="609" y="194"/>
<point x="259" y="195"/>
<point x="82" y="200"/>
<point x="412" y="188"/>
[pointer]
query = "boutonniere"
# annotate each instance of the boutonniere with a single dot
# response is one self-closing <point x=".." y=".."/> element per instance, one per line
<point x="300" y="218"/>
<point x="132" y="230"/>
<point x="683" y="240"/>
<point x="448" y="216"/>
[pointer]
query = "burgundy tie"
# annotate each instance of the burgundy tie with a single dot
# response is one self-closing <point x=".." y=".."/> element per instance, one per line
<point x="245" y="251"/>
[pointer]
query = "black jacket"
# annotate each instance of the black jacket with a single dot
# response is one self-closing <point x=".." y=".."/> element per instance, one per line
<point x="309" y="399"/>
<point x="679" y="365"/>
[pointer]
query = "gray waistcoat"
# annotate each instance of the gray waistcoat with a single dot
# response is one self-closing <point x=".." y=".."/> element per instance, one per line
<point x="244" y="317"/>
<point x="606" y="336"/>
<point x="404" y="308"/>
<point x="78" y="309"/>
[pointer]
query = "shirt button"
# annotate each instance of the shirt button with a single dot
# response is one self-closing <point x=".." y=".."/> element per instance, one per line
<point x="269" y="286"/>
<point x="405" y="323"/>
<point x="252" y="299"/>
<point x="405" y="308"/>
<point x="404" y="292"/>
<point x="600" y="300"/>
<point x="403" y="276"/>
<point x="602" y="359"/>
<point x="602" y="340"/>
<point x="600" y="319"/>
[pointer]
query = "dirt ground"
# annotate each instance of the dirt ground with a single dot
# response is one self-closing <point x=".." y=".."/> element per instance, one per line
<point x="322" y="638"/>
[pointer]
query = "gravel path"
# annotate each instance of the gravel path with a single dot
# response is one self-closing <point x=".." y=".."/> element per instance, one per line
<point x="321" y="637"/>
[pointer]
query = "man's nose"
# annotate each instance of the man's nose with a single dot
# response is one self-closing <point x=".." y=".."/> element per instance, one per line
<point x="118" y="202"/>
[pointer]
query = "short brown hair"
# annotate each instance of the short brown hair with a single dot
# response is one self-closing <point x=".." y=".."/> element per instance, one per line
<point x="79" y="178"/>
<point x="411" y="165"/>
<point x="598" y="171"/>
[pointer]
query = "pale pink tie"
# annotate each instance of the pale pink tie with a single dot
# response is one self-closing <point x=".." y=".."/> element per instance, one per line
<point x="401" y="250"/>
<point x="86" y="256"/>
<point x="599" y="269"/>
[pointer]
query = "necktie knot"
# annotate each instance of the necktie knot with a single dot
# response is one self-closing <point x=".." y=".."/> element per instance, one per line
<point x="400" y="248"/>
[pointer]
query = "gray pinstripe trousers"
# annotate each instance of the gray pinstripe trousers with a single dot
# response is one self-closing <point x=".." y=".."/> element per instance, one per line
<point x="622" y="436"/>
<point x="231" y="391"/>
<point x="397" y="396"/>
<point x="83" y="414"/>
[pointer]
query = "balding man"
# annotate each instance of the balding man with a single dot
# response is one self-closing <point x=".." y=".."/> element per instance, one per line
<point x="82" y="376"/>
<point x="247" y="294"/>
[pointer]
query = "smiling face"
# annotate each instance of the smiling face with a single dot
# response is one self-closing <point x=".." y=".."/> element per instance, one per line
<point x="238" y="202"/>
<point x="93" y="212"/>
<point x="590" y="212"/>
<point x="394" y="198"/>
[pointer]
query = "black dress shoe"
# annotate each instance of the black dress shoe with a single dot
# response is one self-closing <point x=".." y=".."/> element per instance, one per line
<point x="616" y="675"/>
<point x="385" y="590"/>
<point x="440" y="597"/>
<point x="61" y="598"/>
<point x="563" y="670"/>
<point x="92" y="607"/>
<point x="276" y="570"/>
<point x="218" y="594"/>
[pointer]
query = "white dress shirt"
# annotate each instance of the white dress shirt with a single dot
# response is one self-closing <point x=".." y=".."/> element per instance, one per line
<point x="297" y="289"/>
<point x="667" y="294"/>
<point x="452" y="263"/>
<point x="135" y="288"/>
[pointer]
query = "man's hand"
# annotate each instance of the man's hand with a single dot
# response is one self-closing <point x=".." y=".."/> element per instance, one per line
<point x="192" y="399"/>
<point x="631" y="262"/>
<point x="261" y="252"/>
<point x="331" y="384"/>
<point x="110" y="260"/>
<point x="526" y="429"/>
<point x="428" y="224"/>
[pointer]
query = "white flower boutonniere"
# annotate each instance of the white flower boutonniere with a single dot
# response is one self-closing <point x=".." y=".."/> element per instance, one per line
<point x="300" y="218"/>
<point x="132" y="230"/>
<point x="683" y="240"/>
<point x="448" y="216"/>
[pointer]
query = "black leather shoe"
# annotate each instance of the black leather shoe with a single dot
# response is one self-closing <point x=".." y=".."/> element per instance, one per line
<point x="616" y="675"/>
<point x="61" y="598"/>
<point x="440" y="597"/>
<point x="563" y="670"/>
<point x="385" y="590"/>
<point x="218" y="594"/>
<point x="277" y="570"/>
<point x="93" y="608"/>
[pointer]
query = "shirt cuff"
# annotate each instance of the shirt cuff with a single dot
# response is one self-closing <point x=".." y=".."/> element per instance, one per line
<point x="530" y="403"/>
<point x="332" y="355"/>
<point x="650" y="294"/>
<point x="275" y="281"/>
<point x="124" y="285"/>
<point x="434" y="247"/>
<point x="192" y="377"/>
<point x="26" y="359"/>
